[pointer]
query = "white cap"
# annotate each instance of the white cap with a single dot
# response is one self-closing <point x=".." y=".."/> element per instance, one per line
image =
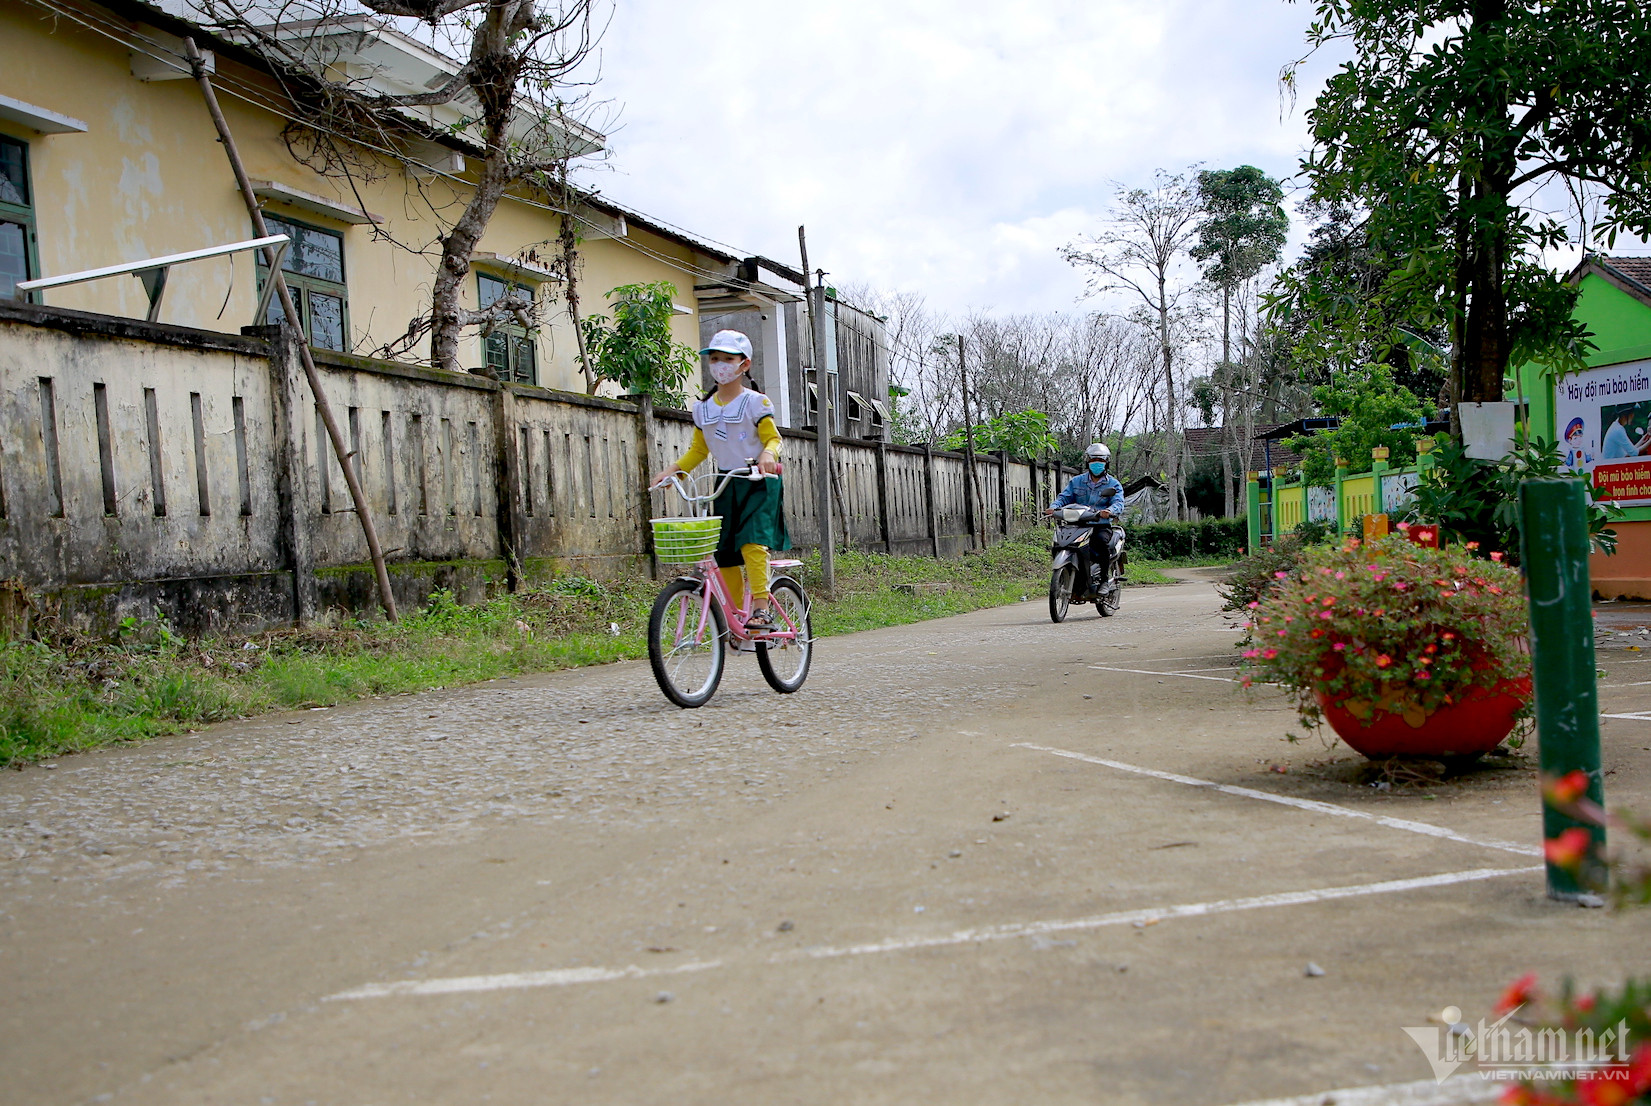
<point x="729" y="341"/>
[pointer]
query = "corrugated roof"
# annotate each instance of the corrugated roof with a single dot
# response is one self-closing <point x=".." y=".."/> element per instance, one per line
<point x="1205" y="441"/>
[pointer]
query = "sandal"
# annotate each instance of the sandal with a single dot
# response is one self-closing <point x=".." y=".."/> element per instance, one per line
<point x="760" y="622"/>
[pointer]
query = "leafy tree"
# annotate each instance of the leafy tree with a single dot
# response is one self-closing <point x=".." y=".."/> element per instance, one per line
<point x="1334" y="317"/>
<point x="1020" y="434"/>
<point x="1147" y="236"/>
<point x="1242" y="232"/>
<point x="1370" y="403"/>
<point x="1448" y="112"/>
<point x="516" y="89"/>
<point x="634" y="349"/>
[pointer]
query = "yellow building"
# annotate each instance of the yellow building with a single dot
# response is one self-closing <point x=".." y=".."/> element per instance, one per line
<point x="108" y="156"/>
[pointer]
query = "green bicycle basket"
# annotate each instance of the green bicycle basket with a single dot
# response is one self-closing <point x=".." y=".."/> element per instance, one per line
<point x="686" y="541"/>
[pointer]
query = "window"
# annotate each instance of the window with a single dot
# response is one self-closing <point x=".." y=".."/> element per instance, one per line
<point x="16" y="217"/>
<point x="856" y="406"/>
<point x="879" y="417"/>
<point x="314" y="268"/>
<point x="510" y="348"/>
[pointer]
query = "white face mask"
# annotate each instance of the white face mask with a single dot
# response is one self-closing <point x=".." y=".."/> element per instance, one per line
<point x="726" y="371"/>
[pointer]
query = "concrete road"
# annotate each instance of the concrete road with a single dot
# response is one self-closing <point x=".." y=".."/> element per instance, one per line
<point x="984" y="859"/>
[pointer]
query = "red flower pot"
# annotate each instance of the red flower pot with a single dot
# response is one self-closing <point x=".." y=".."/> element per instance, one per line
<point x="1473" y="725"/>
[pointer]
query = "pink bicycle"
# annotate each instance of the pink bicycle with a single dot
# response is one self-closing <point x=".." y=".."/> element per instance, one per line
<point x="695" y="623"/>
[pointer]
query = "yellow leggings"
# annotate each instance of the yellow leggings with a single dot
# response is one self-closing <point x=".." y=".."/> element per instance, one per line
<point x="755" y="570"/>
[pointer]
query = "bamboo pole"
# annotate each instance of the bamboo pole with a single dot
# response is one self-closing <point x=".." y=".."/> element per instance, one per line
<point x="362" y="512"/>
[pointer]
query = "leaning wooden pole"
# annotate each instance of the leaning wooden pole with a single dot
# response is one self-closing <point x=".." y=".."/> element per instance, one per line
<point x="814" y="288"/>
<point x="290" y="312"/>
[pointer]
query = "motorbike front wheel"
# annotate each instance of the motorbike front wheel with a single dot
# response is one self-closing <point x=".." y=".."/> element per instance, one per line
<point x="1060" y="592"/>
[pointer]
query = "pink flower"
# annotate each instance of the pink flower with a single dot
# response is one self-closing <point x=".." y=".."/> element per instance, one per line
<point x="1341" y="575"/>
<point x="1254" y="606"/>
<point x="1568" y="788"/>
<point x="1423" y="676"/>
<point x="1326" y="614"/>
<point x="1497" y="557"/>
<point x="1280" y="575"/>
<point x="1269" y="654"/>
<point x="1519" y="992"/>
<point x="1400" y="586"/>
<point x="1340" y="646"/>
<point x="1251" y="654"/>
<point x="1281" y="633"/>
<point x="1568" y="849"/>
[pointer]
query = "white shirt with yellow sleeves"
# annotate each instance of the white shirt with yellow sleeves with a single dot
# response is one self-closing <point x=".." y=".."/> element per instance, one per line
<point x="733" y="434"/>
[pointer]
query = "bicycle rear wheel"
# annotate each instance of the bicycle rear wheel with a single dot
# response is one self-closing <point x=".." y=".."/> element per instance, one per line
<point x="686" y="657"/>
<point x="784" y="662"/>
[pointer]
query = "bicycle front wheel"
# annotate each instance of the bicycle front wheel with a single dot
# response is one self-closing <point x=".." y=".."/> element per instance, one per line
<point x="685" y="643"/>
<point x="784" y="661"/>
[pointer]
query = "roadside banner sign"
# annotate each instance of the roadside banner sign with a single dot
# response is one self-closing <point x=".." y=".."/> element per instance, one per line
<point x="1604" y="421"/>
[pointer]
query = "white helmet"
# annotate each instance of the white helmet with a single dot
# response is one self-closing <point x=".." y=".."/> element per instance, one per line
<point x="1097" y="451"/>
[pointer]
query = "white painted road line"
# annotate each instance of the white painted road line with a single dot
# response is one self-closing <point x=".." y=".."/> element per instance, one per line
<point x="1150" y="916"/>
<point x="1300" y="804"/>
<point x="1153" y="915"/>
<point x="559" y="977"/>
<point x="1455" y="1091"/>
<point x="1636" y="716"/>
<point x="1149" y="672"/>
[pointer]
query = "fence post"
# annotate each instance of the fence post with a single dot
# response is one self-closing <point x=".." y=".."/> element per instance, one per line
<point x="1378" y="466"/>
<point x="883" y="526"/>
<point x="928" y="498"/>
<point x="1554" y="536"/>
<point x="645" y="459"/>
<point x="1341" y="507"/>
<point x="510" y="518"/>
<point x="294" y="517"/>
<point x="1003" y="489"/>
<point x="1252" y="510"/>
<point x="1424" y="455"/>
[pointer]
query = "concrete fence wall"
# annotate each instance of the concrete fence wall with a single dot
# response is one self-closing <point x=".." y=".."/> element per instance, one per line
<point x="149" y="468"/>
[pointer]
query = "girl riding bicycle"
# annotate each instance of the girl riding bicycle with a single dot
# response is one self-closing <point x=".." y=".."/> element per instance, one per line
<point x="731" y="423"/>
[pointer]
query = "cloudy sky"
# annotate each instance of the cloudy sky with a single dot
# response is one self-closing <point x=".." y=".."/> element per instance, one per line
<point x="943" y="146"/>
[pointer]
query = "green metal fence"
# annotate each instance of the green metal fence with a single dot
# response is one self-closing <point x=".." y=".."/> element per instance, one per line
<point x="1277" y="506"/>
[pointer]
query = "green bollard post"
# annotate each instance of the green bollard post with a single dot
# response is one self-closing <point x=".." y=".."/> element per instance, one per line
<point x="1554" y="551"/>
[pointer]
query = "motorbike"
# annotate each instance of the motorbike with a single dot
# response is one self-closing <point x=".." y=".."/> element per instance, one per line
<point x="1088" y="562"/>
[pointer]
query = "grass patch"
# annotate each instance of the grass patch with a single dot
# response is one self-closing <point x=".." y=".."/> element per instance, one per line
<point x="64" y="693"/>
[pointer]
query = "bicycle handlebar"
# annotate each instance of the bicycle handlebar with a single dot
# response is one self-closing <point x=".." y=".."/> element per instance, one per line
<point x="681" y="482"/>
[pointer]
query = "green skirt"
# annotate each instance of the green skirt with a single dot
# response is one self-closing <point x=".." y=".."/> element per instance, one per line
<point x="753" y="513"/>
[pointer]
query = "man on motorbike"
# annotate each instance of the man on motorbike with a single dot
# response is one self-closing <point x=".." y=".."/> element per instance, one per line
<point x="1094" y="488"/>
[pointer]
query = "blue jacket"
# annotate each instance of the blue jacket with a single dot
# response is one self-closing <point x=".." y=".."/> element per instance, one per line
<point x="1105" y="493"/>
